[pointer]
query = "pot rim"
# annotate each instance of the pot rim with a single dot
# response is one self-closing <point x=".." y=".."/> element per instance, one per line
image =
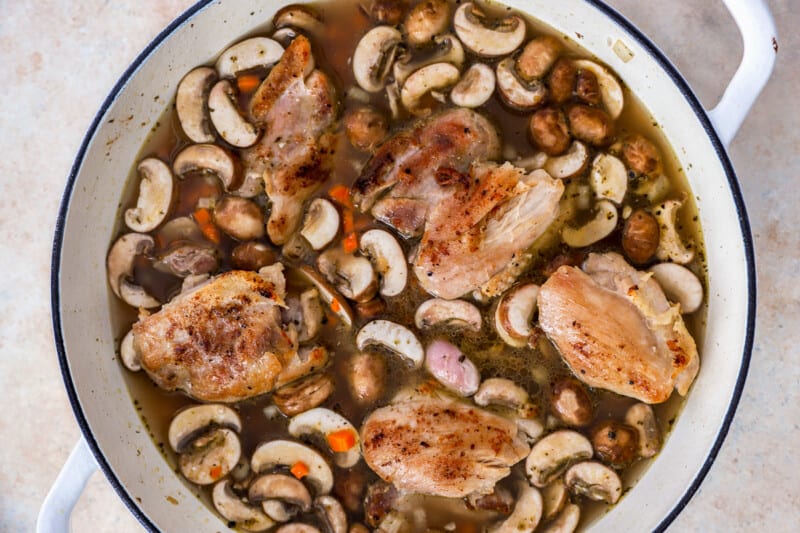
<point x="651" y="48"/>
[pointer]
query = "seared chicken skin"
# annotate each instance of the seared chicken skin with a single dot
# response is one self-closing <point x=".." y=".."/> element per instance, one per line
<point x="616" y="330"/>
<point x="440" y="446"/>
<point x="296" y="107"/>
<point x="474" y="217"/>
<point x="223" y="341"/>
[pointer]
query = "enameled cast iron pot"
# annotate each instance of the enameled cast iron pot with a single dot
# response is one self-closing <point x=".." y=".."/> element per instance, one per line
<point x="112" y="429"/>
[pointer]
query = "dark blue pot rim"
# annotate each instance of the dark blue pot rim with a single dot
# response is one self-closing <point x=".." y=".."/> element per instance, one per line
<point x="648" y="45"/>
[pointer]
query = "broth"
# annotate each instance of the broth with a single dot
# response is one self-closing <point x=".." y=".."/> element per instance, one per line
<point x="534" y="368"/>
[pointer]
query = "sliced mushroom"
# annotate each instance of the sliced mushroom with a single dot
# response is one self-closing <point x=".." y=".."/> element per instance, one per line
<point x="387" y="258"/>
<point x="332" y="513"/>
<point x="500" y="501"/>
<point x="313" y="315"/>
<point x="514" y="92"/>
<point x="234" y="509"/>
<point x="554" y="496"/>
<point x="513" y="318"/>
<point x="654" y="188"/>
<point x="120" y="267"/>
<point x="610" y="89"/>
<point x="561" y="80"/>
<point x="210" y="457"/>
<point x="284" y="36"/>
<point x="287" y="453"/>
<point x="352" y="275"/>
<point x="549" y="132"/>
<point x="366" y="373"/>
<point x="190" y="104"/>
<point x="227" y="119"/>
<point x="603" y="223"/>
<point x="594" y="480"/>
<point x="178" y="229"/>
<point x="567" y="520"/>
<point x="303" y="394"/>
<point x="321" y="223"/>
<point x="680" y="285"/>
<point x="191" y="422"/>
<point x="538" y="57"/>
<point x="189" y="259"/>
<point x="439" y="312"/>
<point x="324" y="422"/>
<point x="335" y="301"/>
<point x="240" y="218"/>
<point x="421" y="82"/>
<point x="609" y="178"/>
<point x="641" y="417"/>
<point x="554" y="453"/>
<point x="448" y="49"/>
<point x="670" y="245"/>
<point x="427" y="20"/>
<point x="452" y="368"/>
<point x="128" y="353"/>
<point x="484" y="38"/>
<point x="155" y="196"/>
<point x="209" y="158"/>
<point x="590" y="124"/>
<point x="570" y="402"/>
<point x="385" y="11"/>
<point x="296" y="527"/>
<point x="501" y="391"/>
<point x="615" y="443"/>
<point x="256" y="52"/>
<point x="527" y="512"/>
<point x="281" y="496"/>
<point x="475" y="87"/>
<point x="374" y="56"/>
<point x="252" y="185"/>
<point x="300" y="17"/>
<point x="572" y="163"/>
<point x="641" y="155"/>
<point x="394" y="337"/>
<point x="252" y="256"/>
<point x="640" y="236"/>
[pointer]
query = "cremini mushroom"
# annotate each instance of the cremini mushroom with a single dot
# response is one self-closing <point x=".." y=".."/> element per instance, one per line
<point x="210" y="158"/>
<point x="281" y="496"/>
<point x="226" y="117"/>
<point x="641" y="155"/>
<point x="603" y="223"/>
<point x="485" y="38"/>
<point x="191" y="104"/>
<point x="561" y="81"/>
<point x="366" y="375"/>
<point x="610" y="89"/>
<point x="426" y="20"/>
<point x="385" y="11"/>
<point x="456" y="313"/>
<point x="329" y="295"/>
<point x="571" y="403"/>
<point x="538" y="57"/>
<point x="475" y="87"/>
<point x="587" y="88"/>
<point x="332" y="513"/>
<point x="513" y="318"/>
<point x="447" y="49"/>
<point x="594" y="480"/>
<point x="555" y="453"/>
<point x="680" y="285"/>
<point x="303" y="394"/>
<point x="120" y="268"/>
<point x="670" y="244"/>
<point x="287" y="453"/>
<point x="549" y="132"/>
<point x="515" y="93"/>
<point x="374" y="56"/>
<point x="572" y="163"/>
<point x="178" y="230"/>
<point x="641" y="417"/>
<point x="255" y="52"/>
<point x="640" y="236"/>
<point x="252" y="255"/>
<point x="352" y="275"/>
<point x="394" y="337"/>
<point x="609" y="178"/>
<point x="527" y="512"/>
<point x="430" y="78"/>
<point x="235" y="509"/>
<point x="191" y="422"/>
<point x="501" y="391"/>
<point x="567" y="520"/>
<point x="155" y="196"/>
<point x="299" y="17"/>
<point x="210" y="456"/>
<point x="615" y="443"/>
<point x="452" y="368"/>
<point x="128" y="353"/>
<point x="324" y="422"/>
<point x="554" y="497"/>
<point x="240" y="218"/>
<point x="188" y="259"/>
<point x="387" y="258"/>
<point x="321" y="223"/>
<point x="590" y="124"/>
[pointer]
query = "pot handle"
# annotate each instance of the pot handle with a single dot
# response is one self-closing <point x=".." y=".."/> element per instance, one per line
<point x="57" y="507"/>
<point x="759" y="36"/>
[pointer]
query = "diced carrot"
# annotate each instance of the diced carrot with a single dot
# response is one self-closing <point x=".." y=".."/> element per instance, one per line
<point x="342" y="440"/>
<point x="207" y="227"/>
<point x="350" y="243"/>
<point x="341" y="194"/>
<point x="202" y="216"/>
<point x="466" y="527"/>
<point x="216" y="472"/>
<point x="347" y="221"/>
<point x="335" y="305"/>
<point x="299" y="470"/>
<point x="248" y="84"/>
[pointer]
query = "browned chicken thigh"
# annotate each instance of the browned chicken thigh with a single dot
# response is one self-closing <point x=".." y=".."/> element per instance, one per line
<point x="296" y="108"/>
<point x="616" y="330"/>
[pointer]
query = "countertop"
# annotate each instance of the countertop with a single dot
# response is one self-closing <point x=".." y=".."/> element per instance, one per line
<point x="60" y="59"/>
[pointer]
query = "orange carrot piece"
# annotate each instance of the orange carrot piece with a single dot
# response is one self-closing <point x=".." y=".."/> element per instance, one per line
<point x="216" y="472"/>
<point x="335" y="305"/>
<point x="341" y="194"/>
<point x="347" y="221"/>
<point x="207" y="227"/>
<point x="247" y="83"/>
<point x="299" y="470"/>
<point x="341" y="440"/>
<point x="350" y="243"/>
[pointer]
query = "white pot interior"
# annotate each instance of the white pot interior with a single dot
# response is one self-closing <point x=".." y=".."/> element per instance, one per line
<point x="85" y="300"/>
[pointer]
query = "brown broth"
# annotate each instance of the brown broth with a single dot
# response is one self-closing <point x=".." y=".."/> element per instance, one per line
<point x="534" y="368"/>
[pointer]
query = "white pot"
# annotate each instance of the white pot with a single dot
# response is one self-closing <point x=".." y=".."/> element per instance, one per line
<point x="112" y="429"/>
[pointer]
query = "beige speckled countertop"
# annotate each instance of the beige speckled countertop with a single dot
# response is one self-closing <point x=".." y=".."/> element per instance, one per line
<point x="61" y="58"/>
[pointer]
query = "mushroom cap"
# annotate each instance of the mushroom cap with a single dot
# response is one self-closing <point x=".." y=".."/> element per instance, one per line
<point x="240" y="218"/>
<point x="501" y="391"/>
<point x="155" y="196"/>
<point x="513" y="317"/>
<point x="353" y="275"/>
<point x="321" y="223"/>
<point x="323" y="421"/>
<point x="448" y="50"/>
<point x="641" y="416"/>
<point x="119" y="263"/>
<point x="394" y="337"/>
<point x="190" y="104"/>
<point x="475" y="87"/>
<point x="226" y="117"/>
<point x="426" y="20"/>
<point x="388" y="259"/>
<point x="190" y="422"/>
<point x="603" y="223"/>
<point x="554" y="453"/>
<point x="554" y="496"/>
<point x="210" y="456"/>
<point x="373" y="57"/>
<point x="210" y="158"/>
<point x="571" y="163"/>
<point x="457" y="313"/>
<point x="297" y="527"/>
<point x="256" y="52"/>
<point x="515" y="93"/>
<point x="287" y="489"/>
<point x="300" y="17"/>
<point x="332" y="512"/>
<point x="527" y="512"/>
<point x="331" y="296"/>
<point x="680" y="285"/>
<point x="566" y="521"/>
<point x="609" y="178"/>
<point x="422" y="81"/>
<point x="232" y="508"/>
<point x="128" y="354"/>
<point x="503" y="39"/>
<point x="610" y="89"/>
<point x="670" y="246"/>
<point x="286" y="453"/>
<point x="594" y="480"/>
